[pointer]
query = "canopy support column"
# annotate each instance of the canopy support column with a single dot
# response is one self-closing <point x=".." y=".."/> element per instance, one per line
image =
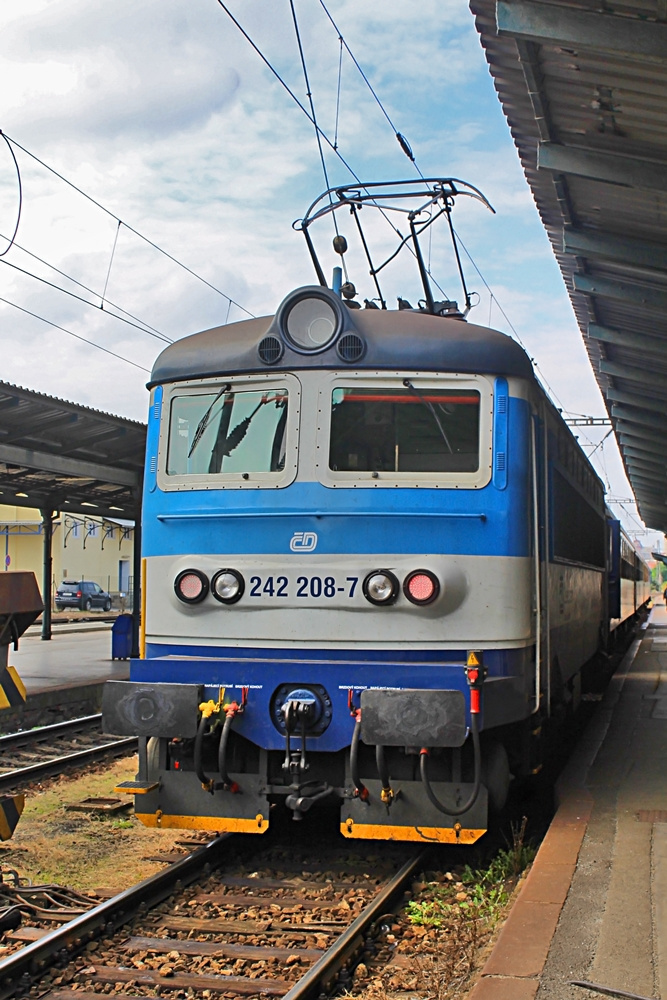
<point x="47" y="548"/>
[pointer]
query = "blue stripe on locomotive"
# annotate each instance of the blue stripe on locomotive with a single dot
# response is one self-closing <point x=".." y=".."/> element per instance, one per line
<point x="265" y="670"/>
<point x="490" y="521"/>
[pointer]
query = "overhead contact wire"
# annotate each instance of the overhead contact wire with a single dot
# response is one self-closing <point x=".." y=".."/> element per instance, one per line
<point x="340" y="77"/>
<point x="287" y="88"/>
<point x="299" y="104"/>
<point x="113" y="251"/>
<point x="309" y="95"/>
<point x="75" y="335"/>
<point x="130" y="229"/>
<point x="402" y="141"/>
<point x="140" y="324"/>
<point x="80" y="298"/>
<point x="20" y="185"/>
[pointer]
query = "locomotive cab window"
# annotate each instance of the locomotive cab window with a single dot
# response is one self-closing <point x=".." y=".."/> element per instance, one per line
<point x="409" y="429"/>
<point x="228" y="435"/>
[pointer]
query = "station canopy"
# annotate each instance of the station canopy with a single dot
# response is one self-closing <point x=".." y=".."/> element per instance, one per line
<point x="584" y="88"/>
<point x="60" y="456"/>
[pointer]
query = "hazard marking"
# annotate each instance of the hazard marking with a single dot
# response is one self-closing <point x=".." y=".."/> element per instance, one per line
<point x="12" y="688"/>
<point x="474" y="658"/>
<point x="11" y="807"/>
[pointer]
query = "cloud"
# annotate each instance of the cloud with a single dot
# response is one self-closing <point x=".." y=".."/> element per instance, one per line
<point x="164" y="114"/>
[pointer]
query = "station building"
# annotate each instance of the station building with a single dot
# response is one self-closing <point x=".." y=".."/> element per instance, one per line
<point x="84" y="547"/>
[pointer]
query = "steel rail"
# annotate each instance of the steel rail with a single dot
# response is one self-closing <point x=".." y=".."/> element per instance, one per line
<point x="321" y="976"/>
<point x="27" y="736"/>
<point x="19" y="970"/>
<point x="23" y="775"/>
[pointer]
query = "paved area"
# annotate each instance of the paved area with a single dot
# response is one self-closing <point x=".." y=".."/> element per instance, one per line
<point x="70" y="659"/>
<point x="594" y="906"/>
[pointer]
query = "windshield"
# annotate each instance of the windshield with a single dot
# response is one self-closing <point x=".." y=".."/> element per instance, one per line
<point x="223" y="431"/>
<point x="404" y="429"/>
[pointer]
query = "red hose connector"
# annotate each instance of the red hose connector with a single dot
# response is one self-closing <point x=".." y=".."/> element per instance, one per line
<point x="475" y="674"/>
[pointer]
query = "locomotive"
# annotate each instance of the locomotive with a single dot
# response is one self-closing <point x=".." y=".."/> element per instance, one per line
<point x="375" y="561"/>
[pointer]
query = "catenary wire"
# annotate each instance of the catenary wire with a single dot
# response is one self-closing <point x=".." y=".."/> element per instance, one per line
<point x="309" y="95"/>
<point x="131" y="229"/>
<point x="310" y="119"/>
<point x="402" y="141"/>
<point x="340" y="78"/>
<point x="80" y="298"/>
<point x="140" y="324"/>
<point x="113" y="253"/>
<point x="18" y="178"/>
<point x="75" y="335"/>
<point x="404" y="146"/>
<point x="287" y="88"/>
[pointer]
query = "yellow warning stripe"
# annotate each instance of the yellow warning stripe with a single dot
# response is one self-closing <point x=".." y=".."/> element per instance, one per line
<point x="12" y="688"/>
<point x="142" y="624"/>
<point x="11" y="807"/>
<point x="259" y="824"/>
<point x="20" y="686"/>
<point x="421" y="834"/>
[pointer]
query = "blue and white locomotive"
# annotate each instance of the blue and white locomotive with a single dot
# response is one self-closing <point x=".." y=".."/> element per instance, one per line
<point x="375" y="560"/>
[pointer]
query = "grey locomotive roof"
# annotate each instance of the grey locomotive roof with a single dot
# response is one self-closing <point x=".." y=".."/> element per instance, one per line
<point x="395" y="340"/>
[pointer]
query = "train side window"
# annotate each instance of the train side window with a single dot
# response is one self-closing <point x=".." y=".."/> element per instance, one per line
<point x="404" y="430"/>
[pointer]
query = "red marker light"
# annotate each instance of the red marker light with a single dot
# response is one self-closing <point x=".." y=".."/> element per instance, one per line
<point x="421" y="587"/>
<point x="191" y="586"/>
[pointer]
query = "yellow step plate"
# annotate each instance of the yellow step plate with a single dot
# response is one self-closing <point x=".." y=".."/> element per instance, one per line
<point x="136" y="787"/>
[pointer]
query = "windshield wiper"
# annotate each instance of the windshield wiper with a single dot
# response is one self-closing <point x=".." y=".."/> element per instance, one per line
<point x="429" y="406"/>
<point x="203" y="423"/>
<point x="236" y="435"/>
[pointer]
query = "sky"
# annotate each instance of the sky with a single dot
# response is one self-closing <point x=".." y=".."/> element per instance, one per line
<point x="164" y="115"/>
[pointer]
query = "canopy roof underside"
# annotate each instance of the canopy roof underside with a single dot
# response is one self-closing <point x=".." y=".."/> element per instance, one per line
<point x="584" y="88"/>
<point x="56" y="455"/>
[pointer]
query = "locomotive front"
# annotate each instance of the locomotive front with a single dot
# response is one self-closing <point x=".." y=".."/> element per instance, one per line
<point x="338" y="582"/>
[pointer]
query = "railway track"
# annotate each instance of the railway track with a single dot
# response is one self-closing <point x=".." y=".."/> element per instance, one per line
<point x="222" y="921"/>
<point x="34" y="754"/>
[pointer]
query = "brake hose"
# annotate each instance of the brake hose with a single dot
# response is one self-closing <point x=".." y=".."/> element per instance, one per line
<point x="450" y="810"/>
<point x="222" y="754"/>
<point x="354" y="758"/>
<point x="207" y="784"/>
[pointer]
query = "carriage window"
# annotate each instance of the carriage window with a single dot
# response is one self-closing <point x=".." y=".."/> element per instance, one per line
<point x="406" y="429"/>
<point x="233" y="432"/>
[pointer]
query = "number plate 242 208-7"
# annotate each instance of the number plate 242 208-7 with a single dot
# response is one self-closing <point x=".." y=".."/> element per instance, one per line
<point x="304" y="587"/>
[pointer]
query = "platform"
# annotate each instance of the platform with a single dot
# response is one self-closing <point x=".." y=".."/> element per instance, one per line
<point x="63" y="676"/>
<point x="594" y="905"/>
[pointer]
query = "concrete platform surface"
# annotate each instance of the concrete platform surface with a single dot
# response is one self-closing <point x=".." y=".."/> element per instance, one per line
<point x="594" y="906"/>
<point x="69" y="659"/>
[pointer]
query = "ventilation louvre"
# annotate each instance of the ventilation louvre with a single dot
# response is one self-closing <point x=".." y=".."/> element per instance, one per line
<point x="270" y="350"/>
<point x="350" y="347"/>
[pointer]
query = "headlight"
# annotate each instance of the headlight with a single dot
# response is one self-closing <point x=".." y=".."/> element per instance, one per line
<point x="310" y="322"/>
<point x="380" y="587"/>
<point x="421" y="587"/>
<point x="227" y="586"/>
<point x="191" y="586"/>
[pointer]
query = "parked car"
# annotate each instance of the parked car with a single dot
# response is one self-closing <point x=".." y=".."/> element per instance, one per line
<point x="82" y="594"/>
